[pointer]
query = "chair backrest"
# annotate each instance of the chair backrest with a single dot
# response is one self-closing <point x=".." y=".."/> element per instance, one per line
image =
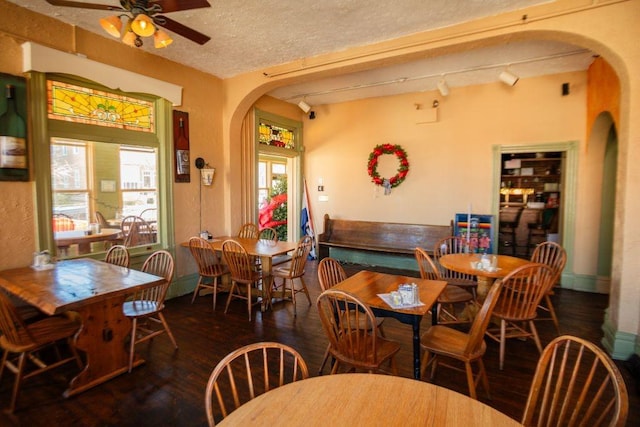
<point x="149" y="214"/>
<point x="118" y="255"/>
<point x="330" y="273"/>
<point x="450" y="245"/>
<point x="522" y="291"/>
<point x="100" y="219"/>
<point x="482" y="319"/>
<point x="249" y="372"/>
<point x="269" y="233"/>
<point x="553" y="255"/>
<point x="428" y="268"/>
<point x="159" y="263"/>
<point x="136" y="231"/>
<point x="241" y="266"/>
<point x="300" y="256"/>
<point x="576" y="383"/>
<point x="204" y="255"/>
<point x="249" y="231"/>
<point x="351" y="328"/>
<point x="11" y="324"/>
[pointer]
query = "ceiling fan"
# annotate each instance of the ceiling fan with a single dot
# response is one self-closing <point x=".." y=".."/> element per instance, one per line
<point x="143" y="19"/>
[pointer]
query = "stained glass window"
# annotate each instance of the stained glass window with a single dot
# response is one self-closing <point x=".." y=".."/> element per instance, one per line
<point x="276" y="136"/>
<point x="95" y="107"/>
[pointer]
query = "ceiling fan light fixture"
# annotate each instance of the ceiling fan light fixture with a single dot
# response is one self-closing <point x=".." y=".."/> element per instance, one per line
<point x="161" y="39"/>
<point x="129" y="38"/>
<point x="112" y="25"/>
<point x="143" y="25"/>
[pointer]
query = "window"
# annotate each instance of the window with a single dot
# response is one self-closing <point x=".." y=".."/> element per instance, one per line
<point x="107" y="159"/>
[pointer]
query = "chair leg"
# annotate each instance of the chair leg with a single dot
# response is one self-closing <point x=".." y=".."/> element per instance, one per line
<point x="552" y="312"/>
<point x="503" y="340"/>
<point x="425" y="363"/>
<point x="305" y="290"/>
<point x="324" y="361"/>
<point x="483" y="377"/>
<point x="249" y="301"/>
<point x="195" y="291"/>
<point x="470" y="380"/>
<point x="17" y="383"/>
<point x="167" y="329"/>
<point x="132" y="345"/>
<point x="215" y="292"/>
<point x="233" y="287"/>
<point x="536" y="338"/>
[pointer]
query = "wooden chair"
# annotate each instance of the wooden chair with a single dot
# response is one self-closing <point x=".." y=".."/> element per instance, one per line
<point x="523" y="289"/>
<point x="21" y="343"/>
<point x="209" y="267"/>
<point x="249" y="372"/>
<point x="450" y="296"/>
<point x="293" y="271"/>
<point x="353" y="334"/>
<point x="249" y="231"/>
<point x="441" y="341"/>
<point x="330" y="273"/>
<point x="136" y="231"/>
<point x="62" y="222"/>
<point x="453" y="245"/>
<point x="268" y="234"/>
<point x="576" y="383"/>
<point x="146" y="305"/>
<point x="118" y="255"/>
<point x="243" y="272"/>
<point x="555" y="256"/>
<point x="100" y="219"/>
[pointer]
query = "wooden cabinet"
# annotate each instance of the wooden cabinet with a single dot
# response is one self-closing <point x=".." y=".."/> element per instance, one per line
<point x="531" y="177"/>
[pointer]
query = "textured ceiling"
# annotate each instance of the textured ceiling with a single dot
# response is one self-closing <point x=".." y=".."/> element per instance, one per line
<point x="249" y="35"/>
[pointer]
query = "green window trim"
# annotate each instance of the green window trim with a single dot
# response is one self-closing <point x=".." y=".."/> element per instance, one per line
<point x="43" y="129"/>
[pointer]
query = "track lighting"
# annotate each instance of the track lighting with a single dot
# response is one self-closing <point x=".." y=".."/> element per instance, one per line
<point x="443" y="87"/>
<point x="304" y="106"/>
<point x="508" y="78"/>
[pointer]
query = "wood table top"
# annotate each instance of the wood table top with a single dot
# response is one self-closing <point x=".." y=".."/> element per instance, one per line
<point x="365" y="399"/>
<point x="366" y="285"/>
<point x="462" y="264"/>
<point x="255" y="247"/>
<point x="66" y="238"/>
<point x="73" y="283"/>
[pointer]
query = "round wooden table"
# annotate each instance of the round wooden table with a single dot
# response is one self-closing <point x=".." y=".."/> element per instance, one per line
<point x="462" y="263"/>
<point x="365" y="399"/>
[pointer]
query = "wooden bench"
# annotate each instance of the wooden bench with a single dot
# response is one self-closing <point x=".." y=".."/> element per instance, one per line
<point x="382" y="237"/>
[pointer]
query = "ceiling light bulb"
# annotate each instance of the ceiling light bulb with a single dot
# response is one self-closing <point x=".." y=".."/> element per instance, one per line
<point x="508" y="78"/>
<point x="143" y="26"/>
<point x="304" y="106"/>
<point x="112" y="25"/>
<point x="161" y="39"/>
<point x="443" y="88"/>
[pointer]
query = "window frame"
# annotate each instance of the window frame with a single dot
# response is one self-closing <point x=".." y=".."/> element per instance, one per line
<point x="43" y="129"/>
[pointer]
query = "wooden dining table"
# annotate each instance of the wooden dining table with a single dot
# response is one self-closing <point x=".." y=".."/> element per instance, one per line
<point x="464" y="263"/>
<point x="266" y="250"/>
<point x="96" y="290"/>
<point x="367" y="400"/>
<point x="367" y="285"/>
<point x="83" y="239"/>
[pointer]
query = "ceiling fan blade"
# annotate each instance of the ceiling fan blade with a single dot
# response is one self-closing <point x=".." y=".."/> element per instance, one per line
<point x="177" y="5"/>
<point x="182" y="30"/>
<point x="83" y="5"/>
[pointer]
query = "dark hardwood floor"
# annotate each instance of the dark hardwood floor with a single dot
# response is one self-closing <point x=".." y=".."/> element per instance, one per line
<point x="168" y="390"/>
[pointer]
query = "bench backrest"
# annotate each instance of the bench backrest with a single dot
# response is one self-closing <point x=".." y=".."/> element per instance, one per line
<point x="395" y="236"/>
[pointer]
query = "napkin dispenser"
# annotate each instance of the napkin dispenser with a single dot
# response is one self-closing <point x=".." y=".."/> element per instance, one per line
<point x="41" y="258"/>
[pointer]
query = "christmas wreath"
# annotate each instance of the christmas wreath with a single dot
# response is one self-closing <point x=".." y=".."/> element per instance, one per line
<point x="403" y="169"/>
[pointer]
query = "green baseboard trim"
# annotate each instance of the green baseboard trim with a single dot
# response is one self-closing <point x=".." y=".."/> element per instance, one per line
<point x="585" y="283"/>
<point x="402" y="262"/>
<point x="182" y="286"/>
<point x="620" y="345"/>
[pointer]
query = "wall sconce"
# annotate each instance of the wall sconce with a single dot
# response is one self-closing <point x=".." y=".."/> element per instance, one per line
<point x="443" y="87"/>
<point x="206" y="171"/>
<point x="508" y="78"/>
